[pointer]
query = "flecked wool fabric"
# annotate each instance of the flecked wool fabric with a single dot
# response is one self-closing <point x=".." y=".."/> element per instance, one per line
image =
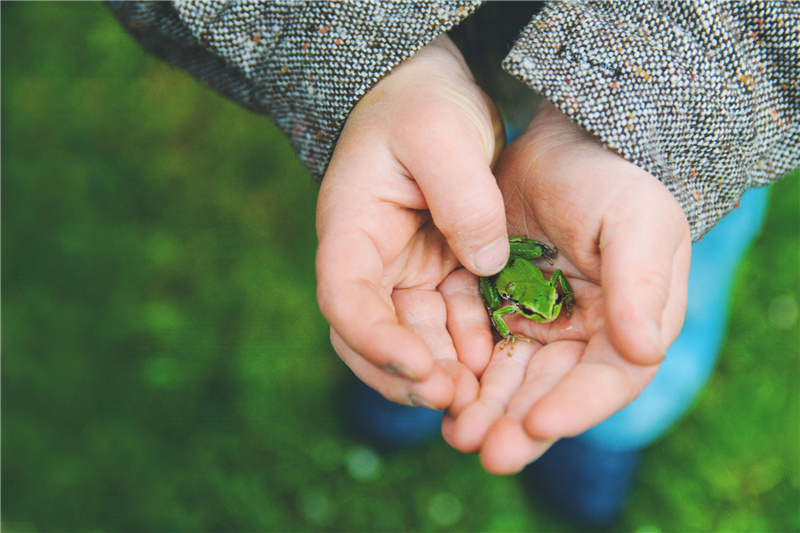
<point x="304" y="64"/>
<point x="705" y="95"/>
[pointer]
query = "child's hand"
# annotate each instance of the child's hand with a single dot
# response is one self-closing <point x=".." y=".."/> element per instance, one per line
<point x="624" y="245"/>
<point x="409" y="196"/>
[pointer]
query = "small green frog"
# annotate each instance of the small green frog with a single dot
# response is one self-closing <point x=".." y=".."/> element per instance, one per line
<point x="523" y="284"/>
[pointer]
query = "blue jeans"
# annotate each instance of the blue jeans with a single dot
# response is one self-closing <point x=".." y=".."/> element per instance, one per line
<point x="691" y="358"/>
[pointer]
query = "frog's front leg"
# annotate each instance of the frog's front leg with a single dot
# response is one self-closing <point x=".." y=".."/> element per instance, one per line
<point x="531" y="249"/>
<point x="558" y="278"/>
<point x="499" y="323"/>
<point x="502" y="327"/>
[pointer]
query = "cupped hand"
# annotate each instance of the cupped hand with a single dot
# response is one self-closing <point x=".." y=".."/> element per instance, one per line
<point x="409" y="196"/>
<point x="624" y="245"/>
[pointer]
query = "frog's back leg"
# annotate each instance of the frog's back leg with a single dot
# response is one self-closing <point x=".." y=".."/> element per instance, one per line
<point x="531" y="249"/>
<point x="567" y="297"/>
<point x="489" y="293"/>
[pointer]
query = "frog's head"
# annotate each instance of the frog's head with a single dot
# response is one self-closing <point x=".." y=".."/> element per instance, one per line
<point x="540" y="305"/>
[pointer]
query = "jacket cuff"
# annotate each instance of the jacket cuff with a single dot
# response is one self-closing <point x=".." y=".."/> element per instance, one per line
<point x="704" y="99"/>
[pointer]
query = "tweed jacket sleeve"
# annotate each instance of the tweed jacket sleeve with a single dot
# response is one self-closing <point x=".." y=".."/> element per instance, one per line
<point x="702" y="94"/>
<point x="305" y="64"/>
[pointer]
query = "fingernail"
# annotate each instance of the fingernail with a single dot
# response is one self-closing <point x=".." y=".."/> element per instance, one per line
<point x="415" y="400"/>
<point x="655" y="334"/>
<point x="492" y="257"/>
<point x="399" y="369"/>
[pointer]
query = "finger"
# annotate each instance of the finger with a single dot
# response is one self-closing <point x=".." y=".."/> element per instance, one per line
<point x="467" y="320"/>
<point x="466" y="386"/>
<point x="448" y="422"/>
<point x="645" y="255"/>
<point x="423" y="312"/>
<point x="508" y="447"/>
<point x="675" y="311"/>
<point x="600" y="385"/>
<point x="454" y="174"/>
<point x="349" y="271"/>
<point x="434" y="392"/>
<point x="501" y="379"/>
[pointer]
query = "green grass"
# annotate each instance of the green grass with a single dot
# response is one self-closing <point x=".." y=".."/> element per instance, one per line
<point x="158" y="263"/>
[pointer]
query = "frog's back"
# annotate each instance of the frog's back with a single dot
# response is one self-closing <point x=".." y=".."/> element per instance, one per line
<point x="519" y="269"/>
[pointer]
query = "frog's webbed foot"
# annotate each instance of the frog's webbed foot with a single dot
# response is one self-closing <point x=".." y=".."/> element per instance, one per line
<point x="549" y="254"/>
<point x="512" y="340"/>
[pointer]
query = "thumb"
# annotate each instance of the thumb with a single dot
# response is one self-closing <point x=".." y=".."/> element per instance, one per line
<point x="461" y="191"/>
<point x="645" y="270"/>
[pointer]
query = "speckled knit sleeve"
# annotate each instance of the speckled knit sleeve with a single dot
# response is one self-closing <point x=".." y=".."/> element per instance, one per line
<point x="305" y="64"/>
<point x="702" y="94"/>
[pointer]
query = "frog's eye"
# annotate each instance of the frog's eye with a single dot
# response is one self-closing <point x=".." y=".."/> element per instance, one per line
<point x="527" y="312"/>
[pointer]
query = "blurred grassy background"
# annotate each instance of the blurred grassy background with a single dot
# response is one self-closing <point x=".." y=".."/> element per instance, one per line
<point x="164" y="364"/>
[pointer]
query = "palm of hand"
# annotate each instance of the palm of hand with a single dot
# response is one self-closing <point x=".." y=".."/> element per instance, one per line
<point x="624" y="247"/>
<point x="385" y="208"/>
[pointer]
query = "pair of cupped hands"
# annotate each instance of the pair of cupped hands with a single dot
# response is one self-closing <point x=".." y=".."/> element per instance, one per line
<point x="419" y="199"/>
